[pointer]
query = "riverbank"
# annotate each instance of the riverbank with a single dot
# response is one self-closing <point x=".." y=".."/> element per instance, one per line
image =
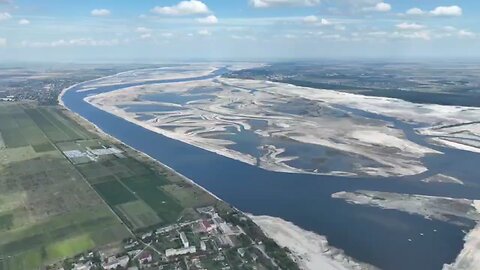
<point x="469" y="257"/>
<point x="264" y="192"/>
<point x="310" y="250"/>
<point x="328" y="256"/>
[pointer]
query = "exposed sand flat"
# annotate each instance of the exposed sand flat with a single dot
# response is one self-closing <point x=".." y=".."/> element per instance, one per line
<point x="441" y="178"/>
<point x="463" y="136"/>
<point x="146" y="75"/>
<point x="432" y="116"/>
<point x="430" y="207"/>
<point x="310" y="250"/>
<point x="212" y="145"/>
<point x="383" y="150"/>
<point x="457" y="145"/>
<point x="469" y="257"/>
<point x="240" y="66"/>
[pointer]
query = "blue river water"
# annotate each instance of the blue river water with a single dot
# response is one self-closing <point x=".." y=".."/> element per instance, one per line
<point x="372" y="235"/>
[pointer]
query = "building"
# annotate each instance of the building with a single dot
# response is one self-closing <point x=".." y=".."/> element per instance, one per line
<point x="203" y="246"/>
<point x="145" y="257"/>
<point x="83" y="266"/>
<point x="114" y="262"/>
<point x="208" y="227"/>
<point x="180" y="251"/>
<point x="184" y="239"/>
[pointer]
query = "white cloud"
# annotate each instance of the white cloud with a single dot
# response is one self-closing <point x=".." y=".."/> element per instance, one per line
<point x="438" y="11"/>
<point x="424" y="35"/>
<point x="447" y="11"/>
<point x="379" y="7"/>
<point x="466" y="34"/>
<point x="100" y="12"/>
<point x="243" y="37"/>
<point x="310" y="19"/>
<point x="449" y="28"/>
<point x="143" y="30"/>
<point x="5" y="16"/>
<point x="167" y="35"/>
<point x="24" y="22"/>
<point x="333" y="37"/>
<point x="378" y="34"/>
<point x="289" y="36"/>
<point x="145" y="33"/>
<point x="80" y="42"/>
<point x="183" y="8"/>
<point x="315" y="20"/>
<point x="212" y="19"/>
<point x="3" y="42"/>
<point x="415" y="11"/>
<point x="274" y="3"/>
<point x="409" y="26"/>
<point x="146" y="36"/>
<point x="325" y="22"/>
<point x="204" y="32"/>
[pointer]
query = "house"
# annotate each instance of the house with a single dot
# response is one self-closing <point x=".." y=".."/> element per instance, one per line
<point x="83" y="266"/>
<point x="145" y="257"/>
<point x="181" y="251"/>
<point x="208" y="227"/>
<point x="114" y="262"/>
<point x="184" y="239"/>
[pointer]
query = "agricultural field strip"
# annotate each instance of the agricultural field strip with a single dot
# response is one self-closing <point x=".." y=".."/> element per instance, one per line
<point x="91" y="187"/>
<point x="54" y="125"/>
<point x="17" y="126"/>
<point x="49" y="119"/>
<point x="109" y="207"/>
<point x="47" y="138"/>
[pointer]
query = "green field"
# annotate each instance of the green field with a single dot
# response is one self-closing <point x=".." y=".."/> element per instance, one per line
<point x="53" y="206"/>
<point x="138" y="214"/>
<point x="47" y="209"/>
<point x="113" y="192"/>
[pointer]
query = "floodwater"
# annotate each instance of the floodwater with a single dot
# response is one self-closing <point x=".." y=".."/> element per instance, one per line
<point x="372" y="235"/>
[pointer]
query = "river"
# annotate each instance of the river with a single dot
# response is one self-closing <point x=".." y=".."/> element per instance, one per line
<point x="372" y="235"/>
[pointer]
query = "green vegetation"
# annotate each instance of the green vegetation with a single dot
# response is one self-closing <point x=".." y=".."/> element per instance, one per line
<point x="147" y="188"/>
<point x="139" y="214"/>
<point x="47" y="210"/>
<point x="74" y="245"/>
<point x="44" y="147"/>
<point x="6" y="221"/>
<point x="114" y="192"/>
<point x="60" y="198"/>
<point x="53" y="207"/>
<point x="277" y="253"/>
<point x="189" y="195"/>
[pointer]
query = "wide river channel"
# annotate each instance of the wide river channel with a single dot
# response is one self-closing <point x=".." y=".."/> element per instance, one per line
<point x="372" y="235"/>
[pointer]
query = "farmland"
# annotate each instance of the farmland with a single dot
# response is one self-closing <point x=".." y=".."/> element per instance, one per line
<point x="65" y="190"/>
<point x="45" y="204"/>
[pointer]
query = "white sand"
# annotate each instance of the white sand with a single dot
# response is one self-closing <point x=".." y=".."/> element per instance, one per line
<point x="469" y="257"/>
<point x="442" y="178"/>
<point x="430" y="207"/>
<point x="359" y="137"/>
<point x="310" y="250"/>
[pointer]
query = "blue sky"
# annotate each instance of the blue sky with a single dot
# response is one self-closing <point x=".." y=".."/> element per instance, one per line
<point x="134" y="30"/>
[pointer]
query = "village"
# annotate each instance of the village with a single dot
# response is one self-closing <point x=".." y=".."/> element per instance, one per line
<point x="207" y="243"/>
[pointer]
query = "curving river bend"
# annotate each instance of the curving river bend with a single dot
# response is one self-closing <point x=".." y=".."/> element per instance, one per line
<point x="372" y="235"/>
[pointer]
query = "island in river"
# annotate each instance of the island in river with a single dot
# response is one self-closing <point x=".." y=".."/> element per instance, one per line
<point x="281" y="150"/>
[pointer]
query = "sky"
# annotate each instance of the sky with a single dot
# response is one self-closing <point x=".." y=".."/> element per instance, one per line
<point x="155" y="30"/>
